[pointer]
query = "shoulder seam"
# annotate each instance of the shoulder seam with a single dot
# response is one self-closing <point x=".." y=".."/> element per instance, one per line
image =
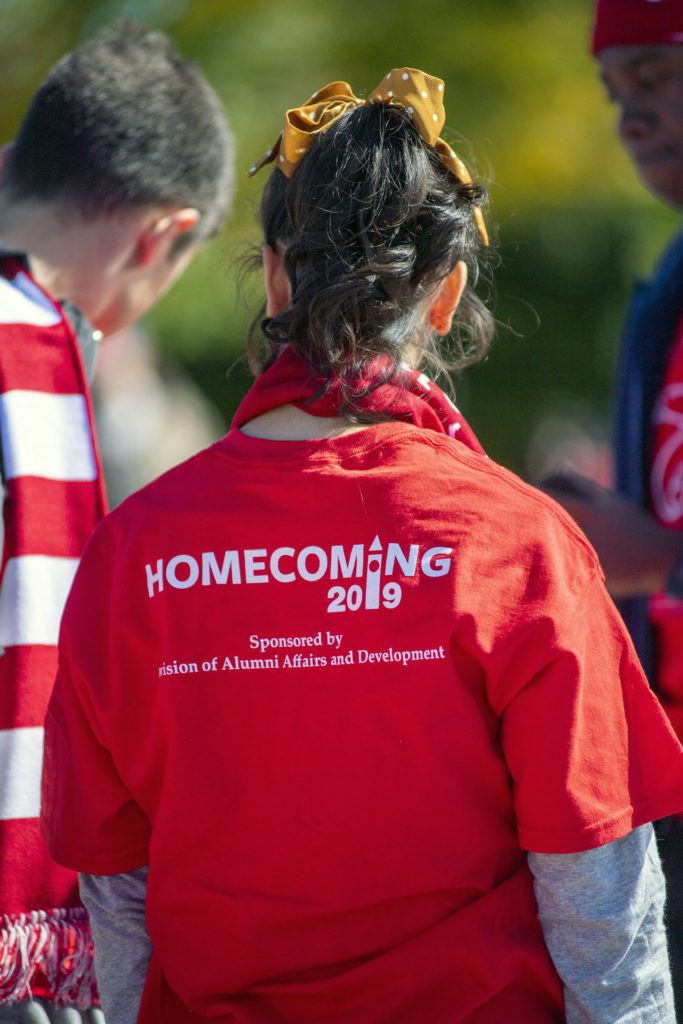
<point x="493" y="469"/>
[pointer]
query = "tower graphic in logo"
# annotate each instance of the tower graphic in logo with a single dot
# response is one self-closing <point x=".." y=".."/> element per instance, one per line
<point x="373" y="574"/>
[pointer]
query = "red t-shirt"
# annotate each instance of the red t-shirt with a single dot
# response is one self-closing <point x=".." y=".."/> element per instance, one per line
<point x="331" y="691"/>
<point x="666" y="493"/>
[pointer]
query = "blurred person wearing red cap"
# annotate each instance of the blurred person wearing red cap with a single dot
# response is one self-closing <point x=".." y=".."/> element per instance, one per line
<point x="638" y="532"/>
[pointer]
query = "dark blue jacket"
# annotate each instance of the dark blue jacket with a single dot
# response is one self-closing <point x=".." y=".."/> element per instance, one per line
<point x="649" y="333"/>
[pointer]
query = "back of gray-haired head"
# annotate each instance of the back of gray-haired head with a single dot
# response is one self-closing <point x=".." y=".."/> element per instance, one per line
<point x="125" y="121"/>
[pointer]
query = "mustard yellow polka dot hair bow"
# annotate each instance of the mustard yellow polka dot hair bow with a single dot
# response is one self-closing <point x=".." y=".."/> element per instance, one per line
<point x="421" y="95"/>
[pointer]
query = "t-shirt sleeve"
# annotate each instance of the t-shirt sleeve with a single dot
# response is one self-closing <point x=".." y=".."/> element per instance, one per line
<point x="90" y="820"/>
<point x="590" y="751"/>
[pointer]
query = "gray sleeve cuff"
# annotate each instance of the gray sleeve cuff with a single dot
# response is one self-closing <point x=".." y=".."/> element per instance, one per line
<point x="602" y="917"/>
<point x="116" y="905"/>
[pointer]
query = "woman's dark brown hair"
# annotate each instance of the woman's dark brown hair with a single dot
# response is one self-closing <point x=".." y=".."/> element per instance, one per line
<point x="370" y="223"/>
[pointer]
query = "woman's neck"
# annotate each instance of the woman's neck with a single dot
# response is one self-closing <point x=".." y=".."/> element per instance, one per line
<point x="287" y="423"/>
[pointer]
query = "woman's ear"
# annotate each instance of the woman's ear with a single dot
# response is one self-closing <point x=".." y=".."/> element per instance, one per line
<point x="278" y="287"/>
<point x="446" y="299"/>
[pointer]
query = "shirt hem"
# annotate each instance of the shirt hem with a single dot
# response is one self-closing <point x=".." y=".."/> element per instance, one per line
<point x="118" y="865"/>
<point x="599" y="833"/>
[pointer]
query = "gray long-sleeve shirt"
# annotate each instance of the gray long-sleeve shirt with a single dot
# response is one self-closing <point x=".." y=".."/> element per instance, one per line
<point x="601" y="912"/>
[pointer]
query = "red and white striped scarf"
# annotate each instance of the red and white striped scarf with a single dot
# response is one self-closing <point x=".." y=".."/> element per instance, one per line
<point x="53" y="499"/>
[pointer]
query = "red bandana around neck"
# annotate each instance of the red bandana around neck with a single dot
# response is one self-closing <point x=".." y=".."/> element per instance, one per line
<point x="409" y="396"/>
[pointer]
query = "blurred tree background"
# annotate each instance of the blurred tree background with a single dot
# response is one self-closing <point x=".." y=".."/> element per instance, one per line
<point x="572" y="224"/>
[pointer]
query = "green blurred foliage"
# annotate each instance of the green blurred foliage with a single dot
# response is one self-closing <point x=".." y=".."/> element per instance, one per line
<point x="572" y="225"/>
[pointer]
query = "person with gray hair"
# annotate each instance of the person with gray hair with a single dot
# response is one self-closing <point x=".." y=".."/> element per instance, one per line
<point x="122" y="167"/>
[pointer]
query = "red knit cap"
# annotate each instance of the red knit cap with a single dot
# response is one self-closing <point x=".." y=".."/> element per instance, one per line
<point x="637" y="22"/>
